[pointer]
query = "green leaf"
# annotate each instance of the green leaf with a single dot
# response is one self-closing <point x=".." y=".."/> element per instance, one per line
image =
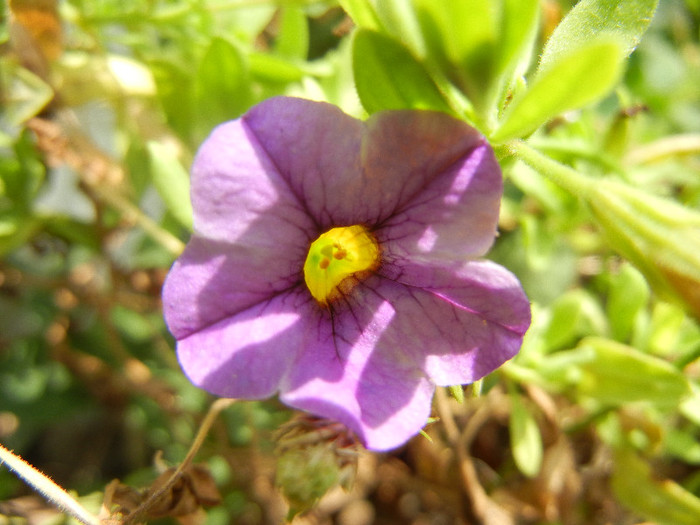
<point x="573" y="315"/>
<point x="23" y="94"/>
<point x="272" y="69"/>
<point x="293" y="39"/>
<point x="467" y="30"/>
<point x="661" y="501"/>
<point x="222" y="84"/>
<point x="629" y="294"/>
<point x="620" y="374"/>
<point x="387" y="76"/>
<point x="399" y="19"/>
<point x="172" y="182"/>
<point x="626" y="20"/>
<point x="514" y="51"/>
<point x="525" y="438"/>
<point x="519" y="29"/>
<point x="362" y="13"/>
<point x="577" y="79"/>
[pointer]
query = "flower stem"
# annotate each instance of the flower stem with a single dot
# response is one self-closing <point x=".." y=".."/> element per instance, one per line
<point x="562" y="175"/>
<point x="214" y="411"/>
<point x="131" y="211"/>
<point x="47" y="488"/>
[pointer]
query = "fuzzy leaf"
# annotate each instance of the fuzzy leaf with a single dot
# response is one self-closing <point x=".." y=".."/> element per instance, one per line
<point x="626" y="20"/>
<point x="577" y="79"/>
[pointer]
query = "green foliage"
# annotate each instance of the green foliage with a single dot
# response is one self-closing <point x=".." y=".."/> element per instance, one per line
<point x="664" y="502"/>
<point x="525" y="437"/>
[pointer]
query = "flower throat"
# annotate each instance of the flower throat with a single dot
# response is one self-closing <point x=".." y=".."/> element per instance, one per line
<point x="338" y="260"/>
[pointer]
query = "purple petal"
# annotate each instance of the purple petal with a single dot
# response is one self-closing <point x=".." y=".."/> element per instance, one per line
<point x="455" y="334"/>
<point x="251" y="234"/>
<point x="455" y="216"/>
<point x="389" y="336"/>
<point x="385" y="400"/>
<point x="235" y="186"/>
<point x="349" y="172"/>
<point x="482" y="287"/>
<point x="213" y="280"/>
<point x="249" y="354"/>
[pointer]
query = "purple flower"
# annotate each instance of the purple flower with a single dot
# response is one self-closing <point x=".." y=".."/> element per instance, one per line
<point x="412" y="197"/>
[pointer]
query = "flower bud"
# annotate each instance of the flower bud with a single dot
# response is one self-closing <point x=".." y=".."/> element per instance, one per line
<point x="661" y="237"/>
<point x="314" y="455"/>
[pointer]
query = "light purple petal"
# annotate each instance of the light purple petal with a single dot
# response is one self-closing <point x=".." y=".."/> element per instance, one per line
<point x="214" y="280"/>
<point x="249" y="354"/>
<point x="349" y="172"/>
<point x="482" y="287"/>
<point x="251" y="234"/>
<point x="385" y="400"/>
<point x="394" y="341"/>
<point x="456" y="334"/>
<point x="235" y="186"/>
<point x="454" y="218"/>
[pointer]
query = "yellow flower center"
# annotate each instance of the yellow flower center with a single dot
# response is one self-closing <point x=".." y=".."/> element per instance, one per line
<point x="338" y="260"/>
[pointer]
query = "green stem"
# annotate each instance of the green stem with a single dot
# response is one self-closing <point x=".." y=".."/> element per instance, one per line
<point x="561" y="175"/>
<point x="675" y="145"/>
<point x="158" y="234"/>
<point x="47" y="488"/>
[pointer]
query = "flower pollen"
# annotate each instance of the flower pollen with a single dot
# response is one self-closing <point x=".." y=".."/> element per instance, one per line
<point x="338" y="260"/>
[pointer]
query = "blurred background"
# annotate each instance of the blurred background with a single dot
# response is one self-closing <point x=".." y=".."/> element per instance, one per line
<point x="103" y="104"/>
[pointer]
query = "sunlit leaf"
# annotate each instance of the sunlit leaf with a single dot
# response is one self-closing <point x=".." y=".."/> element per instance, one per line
<point x="660" y="500"/>
<point x="629" y="294"/>
<point x="577" y="79"/>
<point x="172" y="182"/>
<point x="387" y="76"/>
<point x="619" y="374"/>
<point x="525" y="437"/>
<point x="362" y="13"/>
<point x="293" y="37"/>
<point x="626" y="20"/>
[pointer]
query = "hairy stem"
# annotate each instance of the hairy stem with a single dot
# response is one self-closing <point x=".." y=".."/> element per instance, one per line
<point x="569" y="179"/>
<point x="47" y="488"/>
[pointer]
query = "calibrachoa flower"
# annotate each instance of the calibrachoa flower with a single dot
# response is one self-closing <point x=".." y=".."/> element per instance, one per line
<point x="334" y="261"/>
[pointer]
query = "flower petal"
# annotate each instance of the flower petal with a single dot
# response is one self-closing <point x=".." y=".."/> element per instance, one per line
<point x="348" y="172"/>
<point x="213" y="280"/>
<point x="470" y="320"/>
<point x="236" y="188"/>
<point x="394" y="341"/>
<point x="454" y="218"/>
<point x="384" y="400"/>
<point x="249" y="354"/>
<point x="251" y="234"/>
